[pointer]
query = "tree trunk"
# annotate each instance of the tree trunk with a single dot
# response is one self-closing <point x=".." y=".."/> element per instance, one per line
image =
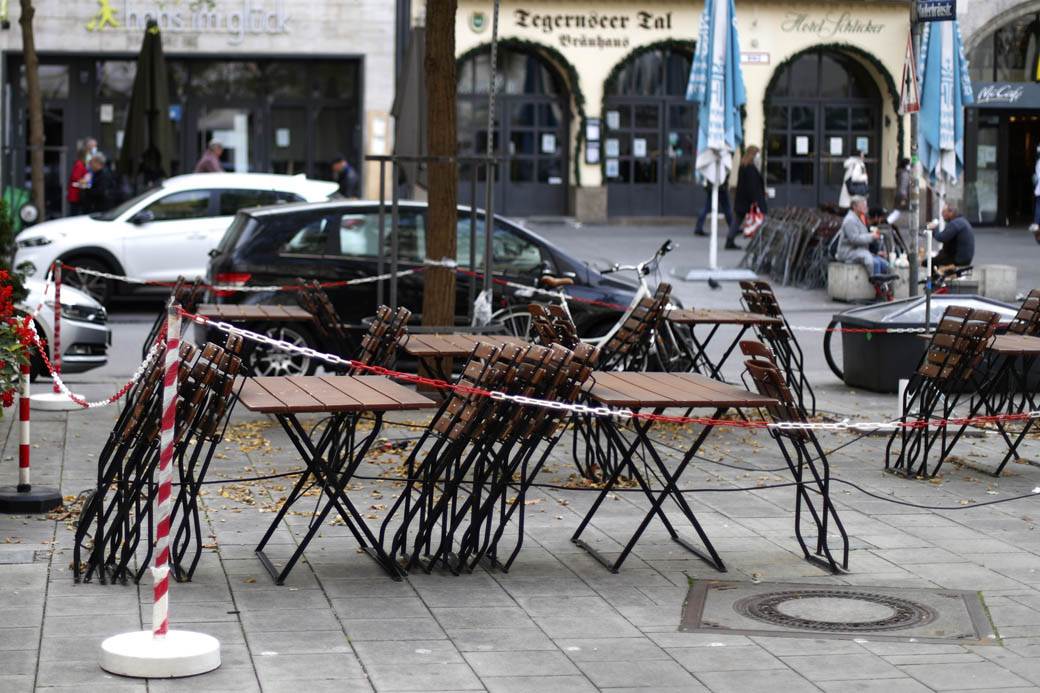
<point x="32" y="81"/>
<point x="439" y="293"/>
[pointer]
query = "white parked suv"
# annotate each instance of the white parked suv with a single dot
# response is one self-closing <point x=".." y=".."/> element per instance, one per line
<point x="161" y="234"/>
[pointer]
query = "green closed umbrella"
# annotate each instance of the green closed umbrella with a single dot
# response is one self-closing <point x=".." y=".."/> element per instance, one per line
<point x="148" y="136"/>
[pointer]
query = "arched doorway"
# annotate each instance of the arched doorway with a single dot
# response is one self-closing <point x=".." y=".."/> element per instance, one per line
<point x="650" y="135"/>
<point x="532" y="128"/>
<point x="820" y="107"/>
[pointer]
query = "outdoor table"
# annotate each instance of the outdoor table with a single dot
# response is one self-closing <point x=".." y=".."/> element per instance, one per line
<point x="334" y="457"/>
<point x="691" y="319"/>
<point x="433" y="349"/>
<point x="235" y="312"/>
<point x="1006" y="390"/>
<point x="659" y="391"/>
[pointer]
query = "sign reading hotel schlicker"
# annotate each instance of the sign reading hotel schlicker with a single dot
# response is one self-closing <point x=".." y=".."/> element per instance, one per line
<point x="234" y="18"/>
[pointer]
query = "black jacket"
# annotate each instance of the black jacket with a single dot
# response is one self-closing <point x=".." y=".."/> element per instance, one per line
<point x="958" y="239"/>
<point x="750" y="189"/>
<point x="101" y="195"/>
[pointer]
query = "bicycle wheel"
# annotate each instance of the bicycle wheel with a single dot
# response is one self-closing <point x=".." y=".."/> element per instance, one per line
<point x="517" y="322"/>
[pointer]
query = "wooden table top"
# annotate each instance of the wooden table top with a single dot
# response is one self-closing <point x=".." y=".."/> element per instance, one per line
<point x="453" y="345"/>
<point x="641" y="390"/>
<point x="700" y="316"/>
<point x="233" y="312"/>
<point x="329" y="393"/>
<point x="1016" y="345"/>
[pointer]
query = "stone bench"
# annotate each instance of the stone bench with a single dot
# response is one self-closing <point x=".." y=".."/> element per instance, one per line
<point x="999" y="282"/>
<point x="849" y="282"/>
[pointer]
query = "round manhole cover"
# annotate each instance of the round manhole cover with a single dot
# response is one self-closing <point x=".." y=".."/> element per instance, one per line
<point x="835" y="610"/>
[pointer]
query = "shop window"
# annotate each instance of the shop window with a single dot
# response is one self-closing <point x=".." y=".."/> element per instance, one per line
<point x="836" y="118"/>
<point x="115" y="78"/>
<point x="190" y="204"/>
<point x="655" y="72"/>
<point x="802" y="172"/>
<point x="803" y="118"/>
<point x="333" y="80"/>
<point x="776" y="172"/>
<point x="776" y="117"/>
<point x="54" y="81"/>
<point x="519" y="72"/>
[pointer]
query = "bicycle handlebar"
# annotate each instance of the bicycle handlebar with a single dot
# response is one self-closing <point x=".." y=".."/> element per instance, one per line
<point x="643" y="267"/>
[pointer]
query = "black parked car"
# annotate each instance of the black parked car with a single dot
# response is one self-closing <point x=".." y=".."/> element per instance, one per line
<point x="338" y="240"/>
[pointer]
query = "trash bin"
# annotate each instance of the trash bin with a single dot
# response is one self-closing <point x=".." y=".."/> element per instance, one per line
<point x="878" y="361"/>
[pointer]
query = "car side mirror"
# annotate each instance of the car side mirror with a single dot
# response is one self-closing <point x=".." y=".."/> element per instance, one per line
<point x="143" y="217"/>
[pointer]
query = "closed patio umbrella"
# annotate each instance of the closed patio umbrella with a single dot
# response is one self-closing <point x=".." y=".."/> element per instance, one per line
<point x="148" y="136"/>
<point x="945" y="91"/>
<point x="716" y="83"/>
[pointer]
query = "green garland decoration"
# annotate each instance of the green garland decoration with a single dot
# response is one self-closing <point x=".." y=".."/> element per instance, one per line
<point x="562" y="65"/>
<point x="860" y="54"/>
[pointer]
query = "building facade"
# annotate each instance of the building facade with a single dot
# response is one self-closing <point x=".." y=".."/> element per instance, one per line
<point x="592" y="119"/>
<point x="1002" y="42"/>
<point x="284" y="84"/>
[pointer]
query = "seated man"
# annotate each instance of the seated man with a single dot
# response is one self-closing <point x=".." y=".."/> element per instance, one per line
<point x="854" y="239"/>
<point x="958" y="239"/>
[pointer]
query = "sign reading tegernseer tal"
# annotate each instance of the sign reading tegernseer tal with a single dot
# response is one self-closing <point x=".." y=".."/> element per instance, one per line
<point x="936" y="10"/>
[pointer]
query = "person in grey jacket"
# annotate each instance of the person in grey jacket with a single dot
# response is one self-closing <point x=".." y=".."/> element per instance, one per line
<point x="855" y="238"/>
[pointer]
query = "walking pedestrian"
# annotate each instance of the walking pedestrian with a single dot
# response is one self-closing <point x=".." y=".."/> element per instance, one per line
<point x="210" y="160"/>
<point x="723" y="207"/>
<point x="751" y="190"/>
<point x="855" y="181"/>
<point x="79" y="178"/>
<point x="903" y="185"/>
<point x="347" y="178"/>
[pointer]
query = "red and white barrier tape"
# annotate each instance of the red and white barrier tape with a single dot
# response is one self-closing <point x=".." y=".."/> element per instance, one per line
<point x="61" y="388"/>
<point x="24" y="481"/>
<point x="164" y="493"/>
<point x="577" y="408"/>
<point x="241" y="287"/>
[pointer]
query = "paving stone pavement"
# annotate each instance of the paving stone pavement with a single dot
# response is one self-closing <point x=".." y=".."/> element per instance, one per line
<point x="557" y="621"/>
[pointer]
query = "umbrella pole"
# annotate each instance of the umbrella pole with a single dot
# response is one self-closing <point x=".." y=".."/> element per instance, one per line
<point x="713" y="247"/>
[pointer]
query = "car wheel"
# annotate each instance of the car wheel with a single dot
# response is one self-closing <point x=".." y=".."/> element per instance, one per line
<point x="99" y="288"/>
<point x="264" y="360"/>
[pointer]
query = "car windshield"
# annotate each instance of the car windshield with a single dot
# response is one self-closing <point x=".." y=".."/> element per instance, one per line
<point x="119" y="210"/>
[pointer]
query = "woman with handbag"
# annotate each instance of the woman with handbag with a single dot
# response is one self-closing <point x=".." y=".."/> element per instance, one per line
<point x="855" y="182"/>
<point x="751" y="192"/>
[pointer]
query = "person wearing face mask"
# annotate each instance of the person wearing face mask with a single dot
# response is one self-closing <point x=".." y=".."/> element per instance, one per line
<point x="79" y="179"/>
<point x="751" y="190"/>
<point x="1035" y="226"/>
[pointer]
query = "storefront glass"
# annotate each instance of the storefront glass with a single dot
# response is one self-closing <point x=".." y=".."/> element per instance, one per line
<point x="650" y="136"/>
<point x="532" y="124"/>
<point x="820" y="109"/>
<point x="284" y="116"/>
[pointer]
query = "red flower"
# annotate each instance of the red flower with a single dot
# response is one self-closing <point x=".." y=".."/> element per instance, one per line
<point x="7" y="398"/>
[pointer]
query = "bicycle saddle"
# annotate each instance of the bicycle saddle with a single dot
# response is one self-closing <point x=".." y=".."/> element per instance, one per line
<point x="551" y="282"/>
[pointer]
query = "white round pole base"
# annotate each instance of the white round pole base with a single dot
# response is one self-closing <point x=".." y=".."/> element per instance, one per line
<point x="52" y="401"/>
<point x="140" y="654"/>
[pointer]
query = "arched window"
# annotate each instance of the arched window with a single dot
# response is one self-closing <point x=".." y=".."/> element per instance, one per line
<point x="650" y="135"/>
<point x="1010" y="54"/>
<point x="531" y="130"/>
<point x="821" y="107"/>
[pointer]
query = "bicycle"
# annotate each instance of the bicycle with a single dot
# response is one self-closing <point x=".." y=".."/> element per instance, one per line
<point x="665" y="349"/>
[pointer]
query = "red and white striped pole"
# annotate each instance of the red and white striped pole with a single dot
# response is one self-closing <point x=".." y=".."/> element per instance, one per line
<point x="24" y="483"/>
<point x="161" y="652"/>
<point x="56" y="339"/>
<point x="163" y="498"/>
<point x="23" y="498"/>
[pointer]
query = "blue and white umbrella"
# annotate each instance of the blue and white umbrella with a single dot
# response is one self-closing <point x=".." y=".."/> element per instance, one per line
<point x="945" y="90"/>
<point x="717" y="84"/>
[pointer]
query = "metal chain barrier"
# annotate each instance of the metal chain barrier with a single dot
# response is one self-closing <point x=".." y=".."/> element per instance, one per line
<point x="61" y="388"/>
<point x="622" y="414"/>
